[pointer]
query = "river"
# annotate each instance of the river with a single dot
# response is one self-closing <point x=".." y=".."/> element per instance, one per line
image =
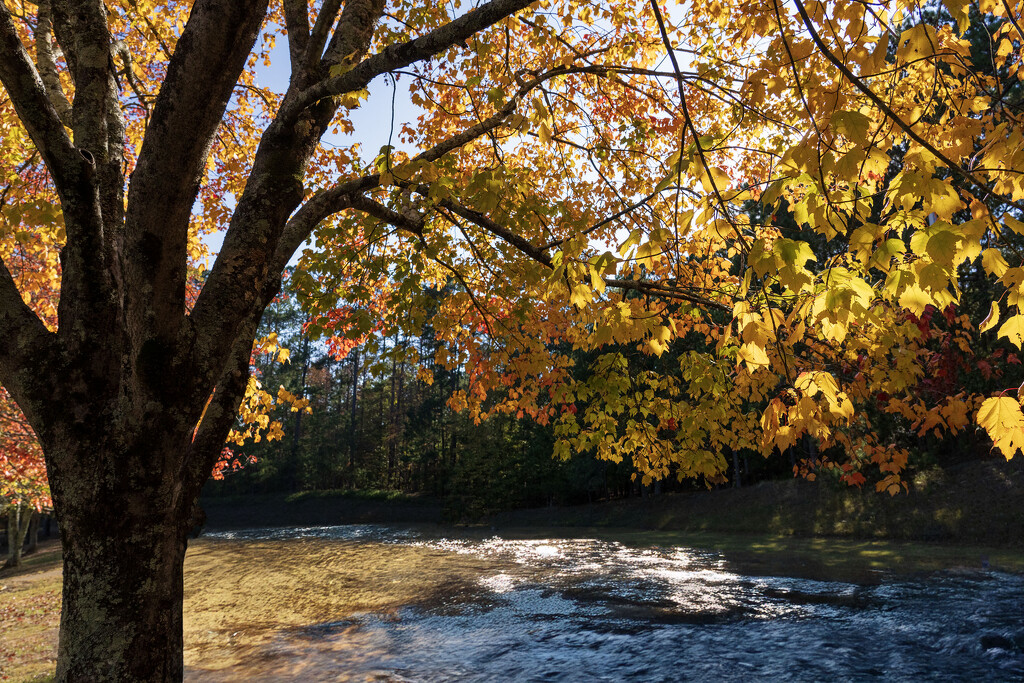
<point x="598" y="609"/>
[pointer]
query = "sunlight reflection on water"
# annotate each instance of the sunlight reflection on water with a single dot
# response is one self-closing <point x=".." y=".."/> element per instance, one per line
<point x="585" y="609"/>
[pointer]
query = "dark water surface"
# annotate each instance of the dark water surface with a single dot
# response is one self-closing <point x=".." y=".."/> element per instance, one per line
<point x="579" y="609"/>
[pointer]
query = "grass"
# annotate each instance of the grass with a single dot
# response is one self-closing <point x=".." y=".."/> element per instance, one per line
<point x="357" y="494"/>
<point x="29" y="616"/>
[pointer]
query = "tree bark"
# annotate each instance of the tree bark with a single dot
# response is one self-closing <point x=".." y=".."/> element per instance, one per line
<point x="121" y="617"/>
<point x="32" y="541"/>
<point x="18" y="517"/>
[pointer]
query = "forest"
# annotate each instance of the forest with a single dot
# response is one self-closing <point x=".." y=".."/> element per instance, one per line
<point x="615" y="249"/>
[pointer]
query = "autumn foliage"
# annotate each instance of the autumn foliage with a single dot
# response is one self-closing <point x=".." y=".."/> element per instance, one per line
<point x="797" y="196"/>
<point x="632" y="181"/>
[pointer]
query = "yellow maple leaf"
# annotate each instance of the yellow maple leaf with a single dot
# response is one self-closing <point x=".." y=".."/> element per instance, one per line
<point x="1003" y="421"/>
<point x="1013" y="329"/>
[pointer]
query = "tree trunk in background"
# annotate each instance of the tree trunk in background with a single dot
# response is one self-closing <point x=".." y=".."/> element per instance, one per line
<point x="18" y="518"/>
<point x="736" y="478"/>
<point x="352" y="418"/>
<point x="33" y="534"/>
<point x="293" y="465"/>
<point x="392" y="426"/>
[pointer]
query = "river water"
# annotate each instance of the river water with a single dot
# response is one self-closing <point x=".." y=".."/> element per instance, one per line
<point x="585" y="609"/>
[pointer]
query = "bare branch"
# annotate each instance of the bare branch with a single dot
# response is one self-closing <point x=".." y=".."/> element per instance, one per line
<point x="296" y="22"/>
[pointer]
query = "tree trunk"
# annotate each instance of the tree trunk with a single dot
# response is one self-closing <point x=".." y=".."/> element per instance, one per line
<point x="121" y="618"/>
<point x="125" y="502"/>
<point x="18" y="517"/>
<point x="33" y="534"/>
<point x="352" y="419"/>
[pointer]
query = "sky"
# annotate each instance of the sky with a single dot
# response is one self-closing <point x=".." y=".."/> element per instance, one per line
<point x="373" y="121"/>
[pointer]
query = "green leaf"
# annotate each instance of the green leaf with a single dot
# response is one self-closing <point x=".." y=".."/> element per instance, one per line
<point x="852" y="125"/>
<point x="885" y="253"/>
<point x="942" y="247"/>
<point x="793" y="252"/>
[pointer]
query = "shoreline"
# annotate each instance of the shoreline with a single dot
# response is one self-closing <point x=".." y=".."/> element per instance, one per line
<point x="975" y="504"/>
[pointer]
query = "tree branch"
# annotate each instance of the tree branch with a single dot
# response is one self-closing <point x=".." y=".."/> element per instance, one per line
<point x="98" y="124"/>
<point x="296" y="22"/>
<point x="410" y="221"/>
<point x="74" y="171"/>
<point x="274" y="190"/>
<point x="222" y="410"/>
<point x="539" y="254"/>
<point x="327" y="202"/>
<point x="355" y="29"/>
<point x="82" y="32"/>
<point x="34" y="108"/>
<point x="26" y="348"/>
<point x="47" y="65"/>
<point x="398" y="56"/>
<point x="321" y="31"/>
<point x="201" y="75"/>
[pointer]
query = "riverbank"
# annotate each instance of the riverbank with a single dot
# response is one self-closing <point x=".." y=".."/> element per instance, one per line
<point x="978" y="503"/>
<point x="319" y="508"/>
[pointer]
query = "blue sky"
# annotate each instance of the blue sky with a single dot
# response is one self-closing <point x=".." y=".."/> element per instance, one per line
<point x="372" y="121"/>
